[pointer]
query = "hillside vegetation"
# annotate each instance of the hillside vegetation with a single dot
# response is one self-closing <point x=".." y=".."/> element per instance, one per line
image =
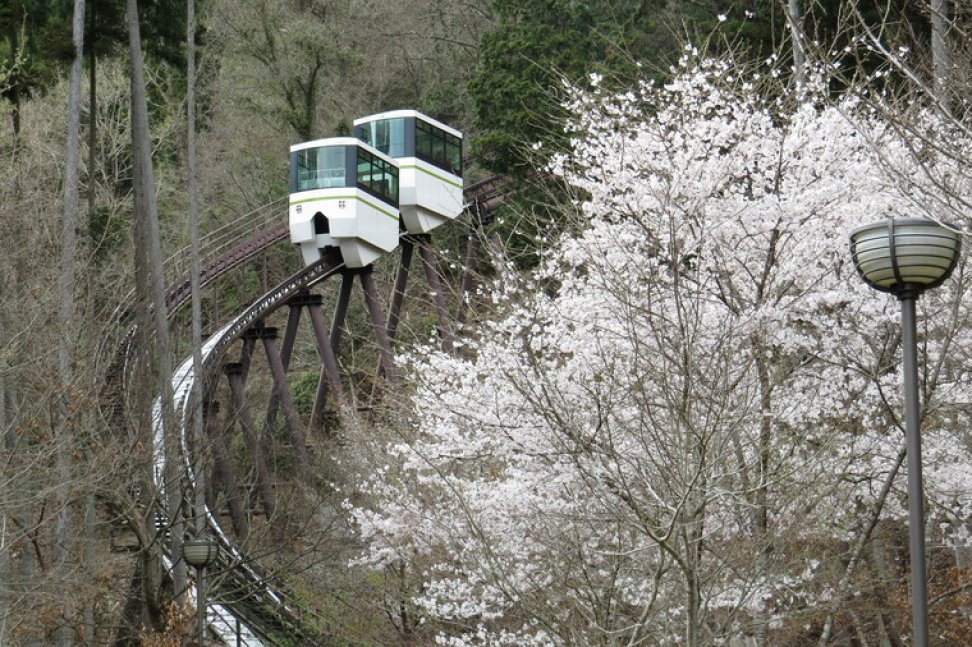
<point x="673" y="411"/>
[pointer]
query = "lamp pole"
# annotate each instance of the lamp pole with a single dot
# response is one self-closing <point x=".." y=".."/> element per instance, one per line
<point x="200" y="553"/>
<point x="905" y="257"/>
<point x="200" y="604"/>
<point x="916" y="511"/>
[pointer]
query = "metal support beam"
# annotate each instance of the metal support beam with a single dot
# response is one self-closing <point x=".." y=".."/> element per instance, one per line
<point x="248" y="338"/>
<point x="377" y="323"/>
<point x="286" y="351"/>
<point x="341" y="309"/>
<point x="293" y="319"/>
<point x="269" y="338"/>
<point x="432" y="277"/>
<point x="235" y="373"/>
<point x="330" y="377"/>
<point x="401" y="281"/>
<point x="223" y="477"/>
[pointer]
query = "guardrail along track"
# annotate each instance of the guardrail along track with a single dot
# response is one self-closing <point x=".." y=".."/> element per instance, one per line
<point x="249" y="598"/>
<point x="263" y="609"/>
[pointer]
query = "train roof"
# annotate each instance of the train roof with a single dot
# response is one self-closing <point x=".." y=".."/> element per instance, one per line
<point x="395" y="114"/>
<point x="340" y="141"/>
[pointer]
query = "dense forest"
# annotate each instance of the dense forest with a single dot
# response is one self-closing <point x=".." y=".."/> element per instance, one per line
<point x="635" y="394"/>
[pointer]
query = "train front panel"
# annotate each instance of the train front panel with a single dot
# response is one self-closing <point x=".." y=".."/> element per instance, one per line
<point x="343" y="194"/>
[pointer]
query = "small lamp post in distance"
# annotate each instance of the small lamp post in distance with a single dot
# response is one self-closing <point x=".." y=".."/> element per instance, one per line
<point x="905" y="257"/>
<point x="200" y="553"/>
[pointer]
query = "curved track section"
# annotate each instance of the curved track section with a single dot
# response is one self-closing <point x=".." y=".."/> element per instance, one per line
<point x="226" y="248"/>
<point x="254" y="612"/>
<point x="263" y="612"/>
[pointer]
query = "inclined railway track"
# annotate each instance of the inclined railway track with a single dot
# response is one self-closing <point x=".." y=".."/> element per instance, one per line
<point x="252" y="610"/>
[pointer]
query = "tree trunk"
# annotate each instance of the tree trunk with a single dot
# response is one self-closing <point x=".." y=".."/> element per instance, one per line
<point x="92" y="115"/>
<point x="14" y="38"/>
<point x="761" y="508"/>
<point x="88" y="558"/>
<point x="6" y="572"/>
<point x="198" y="424"/>
<point x="940" y="62"/>
<point x="693" y="597"/>
<point x="147" y="212"/>
<point x="794" y="17"/>
<point x="63" y="539"/>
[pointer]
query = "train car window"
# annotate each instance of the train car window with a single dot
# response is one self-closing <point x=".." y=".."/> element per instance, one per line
<point x="454" y="155"/>
<point x="319" y="168"/>
<point x="387" y="135"/>
<point x="438" y="147"/>
<point x="377" y="176"/>
<point x="423" y="140"/>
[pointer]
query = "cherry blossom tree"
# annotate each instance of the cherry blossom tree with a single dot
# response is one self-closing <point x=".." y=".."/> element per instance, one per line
<point x="684" y="427"/>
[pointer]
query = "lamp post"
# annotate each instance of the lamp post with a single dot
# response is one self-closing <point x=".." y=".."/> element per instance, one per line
<point x="906" y="257"/>
<point x="200" y="553"/>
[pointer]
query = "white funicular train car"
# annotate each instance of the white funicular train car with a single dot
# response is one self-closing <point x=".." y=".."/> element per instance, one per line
<point x="429" y="157"/>
<point x="343" y="193"/>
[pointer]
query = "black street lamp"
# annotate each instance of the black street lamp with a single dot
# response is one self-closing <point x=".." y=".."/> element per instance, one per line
<point x="200" y="553"/>
<point x="906" y="257"/>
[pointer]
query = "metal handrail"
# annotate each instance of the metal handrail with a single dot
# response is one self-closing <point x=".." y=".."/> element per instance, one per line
<point x="213" y="246"/>
<point x="225" y="248"/>
<point x="230" y="560"/>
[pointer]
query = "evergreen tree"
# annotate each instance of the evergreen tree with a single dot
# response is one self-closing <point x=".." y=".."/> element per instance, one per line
<point x="533" y="42"/>
<point x="25" y="45"/>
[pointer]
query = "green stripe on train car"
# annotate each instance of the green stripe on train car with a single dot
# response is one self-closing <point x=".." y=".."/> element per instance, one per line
<point x="393" y="216"/>
<point x="435" y="175"/>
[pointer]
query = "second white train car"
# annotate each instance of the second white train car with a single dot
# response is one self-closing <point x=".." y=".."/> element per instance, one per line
<point x="429" y="157"/>
<point x="343" y="193"/>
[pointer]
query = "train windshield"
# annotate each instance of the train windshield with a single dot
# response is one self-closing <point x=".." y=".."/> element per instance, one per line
<point x="387" y="135"/>
<point x="318" y="168"/>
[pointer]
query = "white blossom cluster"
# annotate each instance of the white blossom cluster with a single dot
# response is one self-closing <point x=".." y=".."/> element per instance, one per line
<point x="694" y="401"/>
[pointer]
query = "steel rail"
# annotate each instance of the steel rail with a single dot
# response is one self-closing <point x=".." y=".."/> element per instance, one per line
<point x="263" y="611"/>
<point x="226" y="247"/>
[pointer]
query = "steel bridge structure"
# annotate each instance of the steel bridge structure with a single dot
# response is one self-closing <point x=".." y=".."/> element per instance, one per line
<point x="252" y="607"/>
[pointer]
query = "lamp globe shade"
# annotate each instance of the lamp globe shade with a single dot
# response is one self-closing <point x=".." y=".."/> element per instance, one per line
<point x="199" y="553"/>
<point x="905" y="256"/>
